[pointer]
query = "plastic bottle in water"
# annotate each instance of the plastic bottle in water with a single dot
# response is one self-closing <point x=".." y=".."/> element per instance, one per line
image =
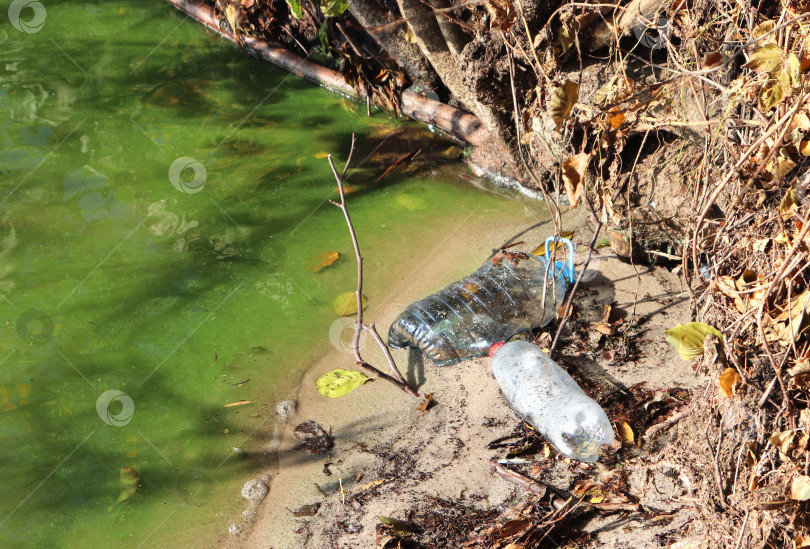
<point x="510" y="293"/>
<point x="549" y="399"/>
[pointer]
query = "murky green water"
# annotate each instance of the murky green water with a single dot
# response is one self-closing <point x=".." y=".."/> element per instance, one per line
<point x="163" y="207"/>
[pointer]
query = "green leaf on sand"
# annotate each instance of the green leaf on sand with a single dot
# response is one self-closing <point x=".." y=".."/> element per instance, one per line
<point x="339" y="382"/>
<point x="688" y="338"/>
<point x="346" y="304"/>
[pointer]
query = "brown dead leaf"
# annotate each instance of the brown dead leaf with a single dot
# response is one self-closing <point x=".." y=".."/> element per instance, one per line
<point x="711" y="352"/>
<point x="616" y="119"/>
<point x="791" y="322"/>
<point x="729" y="382"/>
<point x="616" y="89"/>
<point x="781" y="164"/>
<point x="514" y="527"/>
<point x="751" y="454"/>
<point x="760" y="244"/>
<point x="573" y="175"/>
<point x="562" y="100"/>
<point x="502" y="14"/>
<point x="620" y="243"/>
<point x="799" y="375"/>
<point x="783" y="440"/>
<point x="789" y="204"/>
<point x="323" y="261"/>
<point x="713" y="59"/>
<point x="426" y="404"/>
<point x="800" y="488"/>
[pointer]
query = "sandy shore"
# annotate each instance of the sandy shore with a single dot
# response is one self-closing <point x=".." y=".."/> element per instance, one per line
<point x="389" y="456"/>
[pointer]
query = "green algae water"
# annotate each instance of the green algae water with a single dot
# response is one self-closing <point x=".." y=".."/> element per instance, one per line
<point x="164" y="233"/>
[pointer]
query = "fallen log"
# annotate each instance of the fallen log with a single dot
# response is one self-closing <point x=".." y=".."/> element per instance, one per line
<point x="461" y="125"/>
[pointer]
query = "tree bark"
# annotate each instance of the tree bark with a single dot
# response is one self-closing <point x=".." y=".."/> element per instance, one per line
<point x="453" y="35"/>
<point x="393" y="40"/>
<point x="431" y="41"/>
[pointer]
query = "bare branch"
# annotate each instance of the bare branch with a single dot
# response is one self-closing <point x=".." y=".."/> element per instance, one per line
<point x="397" y="380"/>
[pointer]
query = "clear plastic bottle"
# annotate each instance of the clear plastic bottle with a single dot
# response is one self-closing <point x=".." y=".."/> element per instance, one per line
<point x="509" y="294"/>
<point x="549" y="399"/>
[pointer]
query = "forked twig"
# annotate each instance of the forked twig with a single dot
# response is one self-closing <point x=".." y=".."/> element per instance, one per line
<point x="397" y="378"/>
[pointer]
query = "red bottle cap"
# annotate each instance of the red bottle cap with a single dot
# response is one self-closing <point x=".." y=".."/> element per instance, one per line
<point x="495" y="347"/>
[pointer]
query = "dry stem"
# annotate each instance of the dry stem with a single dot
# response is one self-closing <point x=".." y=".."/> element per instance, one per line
<point x="397" y="380"/>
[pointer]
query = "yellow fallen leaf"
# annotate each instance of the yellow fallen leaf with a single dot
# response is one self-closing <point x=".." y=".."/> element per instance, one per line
<point x="541" y="249"/>
<point x="729" y="382"/>
<point x="323" y="261"/>
<point x="625" y="432"/>
<point x="688" y="338"/>
<point x="338" y="383"/>
<point x="346" y="304"/>
<point x="322" y="155"/>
